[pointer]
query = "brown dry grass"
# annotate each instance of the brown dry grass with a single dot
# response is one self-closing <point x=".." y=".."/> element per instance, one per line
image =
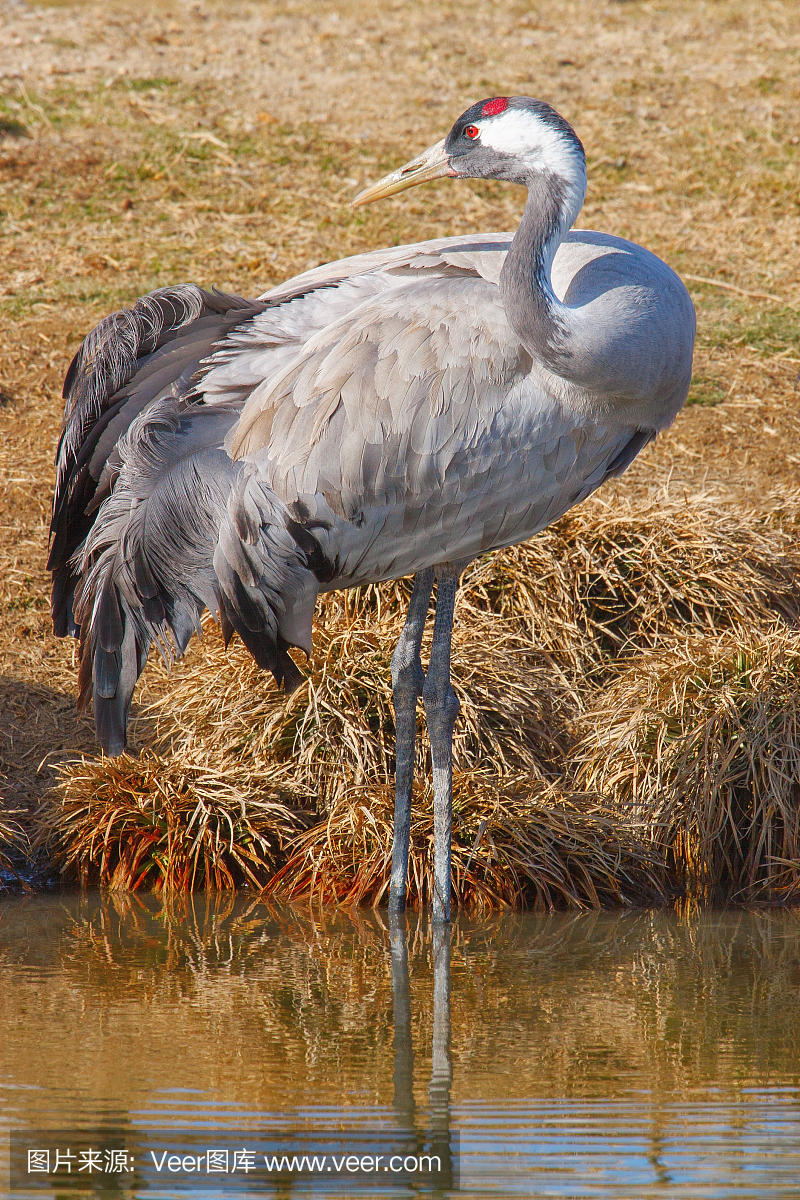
<point x="129" y="823"/>
<point x="621" y="573"/>
<point x="13" y="843"/>
<point x="337" y="731"/>
<point x="140" y="146"/>
<point x="516" y="844"/>
<point x="701" y="741"/>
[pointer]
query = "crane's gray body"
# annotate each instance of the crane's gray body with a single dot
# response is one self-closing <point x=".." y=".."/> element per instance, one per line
<point x="409" y="426"/>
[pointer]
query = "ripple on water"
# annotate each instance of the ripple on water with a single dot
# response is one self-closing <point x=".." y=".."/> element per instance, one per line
<point x="614" y="1056"/>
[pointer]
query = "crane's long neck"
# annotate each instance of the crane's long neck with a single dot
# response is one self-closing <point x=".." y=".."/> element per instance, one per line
<point x="618" y="346"/>
<point x="542" y="323"/>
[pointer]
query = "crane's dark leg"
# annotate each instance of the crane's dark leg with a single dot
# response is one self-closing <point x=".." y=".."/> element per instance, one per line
<point x="441" y="710"/>
<point x="408" y="679"/>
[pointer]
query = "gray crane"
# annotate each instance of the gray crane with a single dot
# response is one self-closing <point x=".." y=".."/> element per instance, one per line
<point x="395" y="413"/>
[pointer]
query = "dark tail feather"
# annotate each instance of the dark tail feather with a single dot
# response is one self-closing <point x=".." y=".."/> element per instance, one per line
<point x="151" y="563"/>
<point x="145" y="572"/>
<point x="269" y="650"/>
<point x="111" y="674"/>
<point x="172" y="540"/>
<point x="62" y="602"/>
<point x="125" y="363"/>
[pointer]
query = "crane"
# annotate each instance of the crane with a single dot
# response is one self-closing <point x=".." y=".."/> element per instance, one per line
<point x="395" y="413"/>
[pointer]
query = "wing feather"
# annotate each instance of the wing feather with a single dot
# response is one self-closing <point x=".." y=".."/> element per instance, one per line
<point x="416" y="421"/>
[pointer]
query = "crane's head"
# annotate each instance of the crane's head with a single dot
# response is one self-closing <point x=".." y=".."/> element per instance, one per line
<point x="513" y="138"/>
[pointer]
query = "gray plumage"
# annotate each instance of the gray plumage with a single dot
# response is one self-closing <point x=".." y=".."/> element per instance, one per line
<point x="390" y="414"/>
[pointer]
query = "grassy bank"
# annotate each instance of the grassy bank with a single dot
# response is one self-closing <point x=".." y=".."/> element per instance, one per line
<point x="628" y="733"/>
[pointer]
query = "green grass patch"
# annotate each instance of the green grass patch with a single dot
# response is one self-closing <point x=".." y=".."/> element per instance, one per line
<point x="725" y="322"/>
<point x="146" y="85"/>
<point x="773" y="332"/>
<point x="705" y="391"/>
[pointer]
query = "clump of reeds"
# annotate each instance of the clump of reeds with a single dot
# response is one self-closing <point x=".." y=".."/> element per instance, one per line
<point x="701" y="743"/>
<point x="515" y="843"/>
<point x="13" y="842"/>
<point x="616" y="576"/>
<point x="145" y="822"/>
<point x="544" y="632"/>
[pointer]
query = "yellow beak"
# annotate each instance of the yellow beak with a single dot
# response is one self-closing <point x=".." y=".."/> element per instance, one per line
<point x="433" y="164"/>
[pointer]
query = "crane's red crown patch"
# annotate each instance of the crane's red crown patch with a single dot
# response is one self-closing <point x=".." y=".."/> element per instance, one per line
<point x="492" y="107"/>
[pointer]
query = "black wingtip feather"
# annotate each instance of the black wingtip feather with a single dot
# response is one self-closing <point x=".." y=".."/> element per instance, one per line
<point x="110" y="730"/>
<point x="111" y="678"/>
<point x="291" y="676"/>
<point x="270" y="652"/>
<point x="225" y="623"/>
<point x="109" y="623"/>
<point x="62" y="603"/>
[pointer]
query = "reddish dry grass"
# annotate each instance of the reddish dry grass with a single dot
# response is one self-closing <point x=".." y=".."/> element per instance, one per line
<point x="516" y="844"/>
<point x="129" y="823"/>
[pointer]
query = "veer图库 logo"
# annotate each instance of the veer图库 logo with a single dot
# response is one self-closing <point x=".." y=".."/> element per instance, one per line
<point x="127" y="1160"/>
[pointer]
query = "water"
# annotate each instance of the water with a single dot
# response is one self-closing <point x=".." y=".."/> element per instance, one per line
<point x="586" y="1056"/>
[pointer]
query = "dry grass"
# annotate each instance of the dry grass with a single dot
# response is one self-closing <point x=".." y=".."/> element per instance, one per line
<point x="144" y="145"/>
<point x="129" y="823"/>
<point x="337" y="730"/>
<point x="618" y="575"/>
<point x="515" y="844"/>
<point x="701" y="742"/>
<point x="13" y="843"/>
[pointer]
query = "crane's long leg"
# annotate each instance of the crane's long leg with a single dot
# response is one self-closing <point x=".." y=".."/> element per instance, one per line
<point x="441" y="710"/>
<point x="408" y="679"/>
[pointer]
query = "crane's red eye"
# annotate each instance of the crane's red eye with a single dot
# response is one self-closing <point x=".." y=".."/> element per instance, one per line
<point x="472" y="131"/>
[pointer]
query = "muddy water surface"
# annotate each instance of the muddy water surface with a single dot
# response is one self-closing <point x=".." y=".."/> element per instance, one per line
<point x="599" y="1055"/>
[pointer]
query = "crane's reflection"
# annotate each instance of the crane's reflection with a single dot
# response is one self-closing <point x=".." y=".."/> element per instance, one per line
<point x="442" y="1063"/>
<point x="403" y="1076"/>
<point x="437" y="1138"/>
